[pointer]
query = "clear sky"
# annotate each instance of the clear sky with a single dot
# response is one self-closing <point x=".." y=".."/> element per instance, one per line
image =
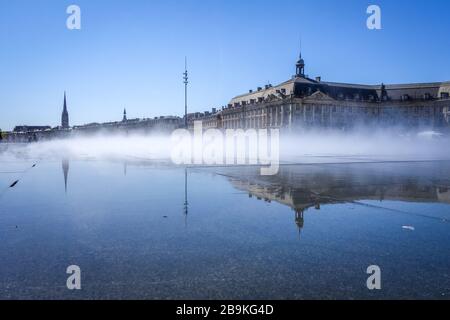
<point x="131" y="53"/>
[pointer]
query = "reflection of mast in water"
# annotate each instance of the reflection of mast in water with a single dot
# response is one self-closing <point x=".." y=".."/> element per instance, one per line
<point x="125" y="164"/>
<point x="185" y="196"/>
<point x="65" y="167"/>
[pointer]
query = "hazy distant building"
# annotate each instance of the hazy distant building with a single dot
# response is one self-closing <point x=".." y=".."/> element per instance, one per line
<point x="65" y="115"/>
<point x="302" y="102"/>
<point x="19" y="129"/>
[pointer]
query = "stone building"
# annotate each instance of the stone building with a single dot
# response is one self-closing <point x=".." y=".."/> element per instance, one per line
<point x="302" y="102"/>
<point x="23" y="129"/>
<point x="163" y="124"/>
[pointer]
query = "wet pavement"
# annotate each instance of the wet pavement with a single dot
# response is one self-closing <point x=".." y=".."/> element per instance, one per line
<point x="140" y="230"/>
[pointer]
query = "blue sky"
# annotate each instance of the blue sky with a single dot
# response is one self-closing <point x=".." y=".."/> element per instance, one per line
<point x="131" y="53"/>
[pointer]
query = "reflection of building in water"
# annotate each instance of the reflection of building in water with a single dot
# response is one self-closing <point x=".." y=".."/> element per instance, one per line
<point x="297" y="198"/>
<point x="65" y="167"/>
<point x="299" y="219"/>
<point x="305" y="187"/>
<point x="444" y="194"/>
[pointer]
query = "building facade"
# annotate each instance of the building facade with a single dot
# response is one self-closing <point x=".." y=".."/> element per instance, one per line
<point x="163" y="124"/>
<point x="297" y="104"/>
<point x="302" y="103"/>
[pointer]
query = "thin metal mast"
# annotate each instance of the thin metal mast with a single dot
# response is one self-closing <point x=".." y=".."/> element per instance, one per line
<point x="186" y="81"/>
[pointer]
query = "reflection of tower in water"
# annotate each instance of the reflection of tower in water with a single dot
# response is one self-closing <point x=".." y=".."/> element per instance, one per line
<point x="299" y="220"/>
<point x="65" y="167"/>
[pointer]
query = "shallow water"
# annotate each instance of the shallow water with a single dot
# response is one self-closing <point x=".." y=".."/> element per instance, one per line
<point x="143" y="230"/>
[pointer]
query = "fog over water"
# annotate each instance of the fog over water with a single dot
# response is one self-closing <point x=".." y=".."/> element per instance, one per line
<point x="377" y="145"/>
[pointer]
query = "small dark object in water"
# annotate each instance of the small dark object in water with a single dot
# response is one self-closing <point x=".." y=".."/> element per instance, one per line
<point x="165" y="217"/>
<point x="17" y="227"/>
<point x="14" y="184"/>
<point x="34" y="165"/>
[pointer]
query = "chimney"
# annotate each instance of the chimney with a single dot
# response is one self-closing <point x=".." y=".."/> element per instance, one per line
<point x="259" y="88"/>
<point x="250" y="91"/>
<point x="318" y="79"/>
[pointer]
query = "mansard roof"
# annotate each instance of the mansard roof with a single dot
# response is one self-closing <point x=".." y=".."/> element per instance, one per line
<point x="304" y="87"/>
<point x="414" y="90"/>
<point x="287" y="86"/>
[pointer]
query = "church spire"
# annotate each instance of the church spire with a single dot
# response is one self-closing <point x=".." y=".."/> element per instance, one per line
<point x="65" y="114"/>
<point x="124" y="115"/>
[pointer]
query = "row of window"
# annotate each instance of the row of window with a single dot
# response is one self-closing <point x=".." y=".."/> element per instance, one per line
<point x="326" y="109"/>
